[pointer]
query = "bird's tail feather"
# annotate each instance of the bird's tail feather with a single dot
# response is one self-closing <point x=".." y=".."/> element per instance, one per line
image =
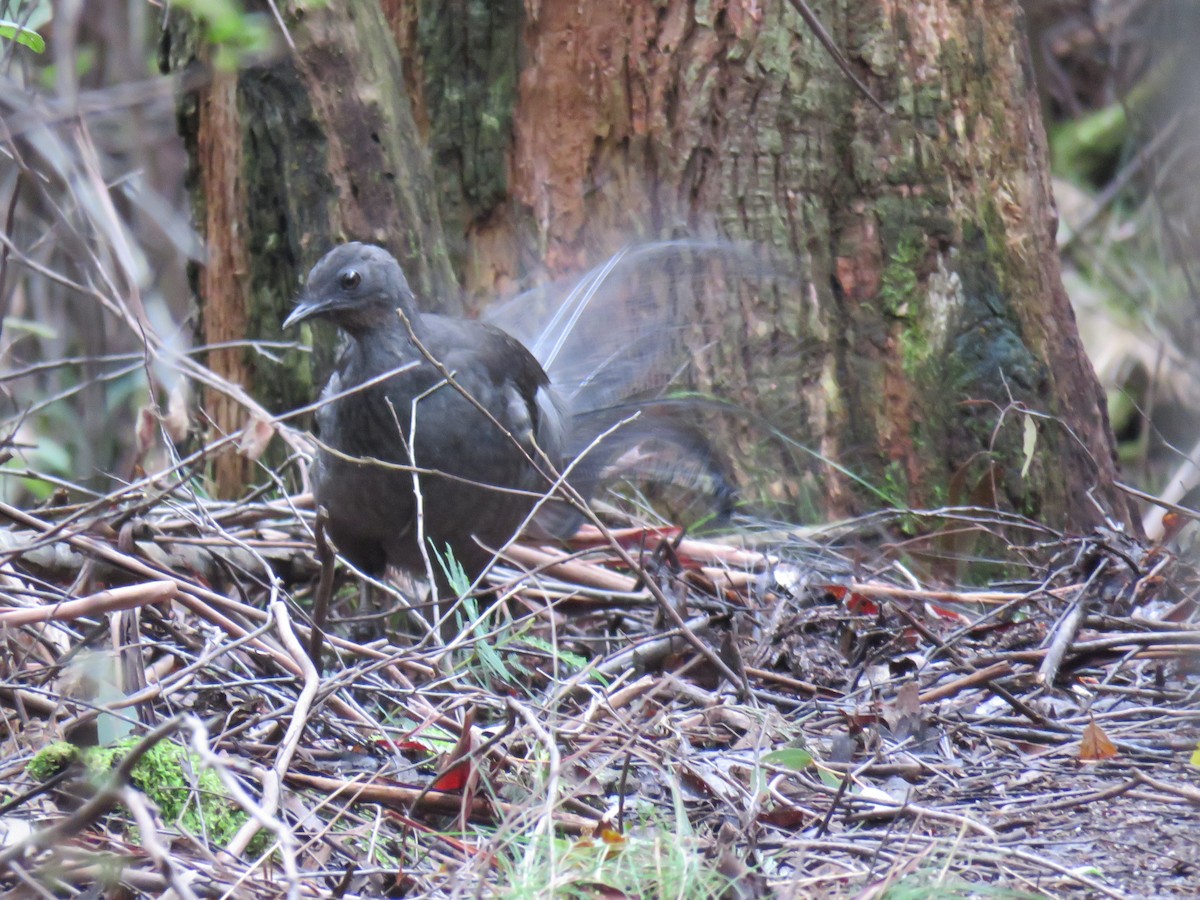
<point x="659" y="441"/>
<point x="627" y="328"/>
<point x="617" y="344"/>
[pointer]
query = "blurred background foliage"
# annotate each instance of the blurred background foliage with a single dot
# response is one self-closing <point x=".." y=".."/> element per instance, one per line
<point x="95" y="243"/>
<point x="1118" y="83"/>
<point x="96" y="236"/>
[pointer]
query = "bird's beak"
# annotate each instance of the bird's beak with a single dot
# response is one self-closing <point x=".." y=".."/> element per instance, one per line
<point x="305" y="309"/>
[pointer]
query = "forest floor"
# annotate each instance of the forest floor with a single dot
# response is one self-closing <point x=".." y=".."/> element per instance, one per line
<point x="765" y="715"/>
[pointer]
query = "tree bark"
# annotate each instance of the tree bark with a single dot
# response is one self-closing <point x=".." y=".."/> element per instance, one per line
<point x="289" y="156"/>
<point x="930" y="355"/>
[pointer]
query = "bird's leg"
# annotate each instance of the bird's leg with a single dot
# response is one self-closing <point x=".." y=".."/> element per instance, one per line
<point x="417" y="615"/>
<point x="373" y="611"/>
<point x="386" y="607"/>
<point x="324" y="590"/>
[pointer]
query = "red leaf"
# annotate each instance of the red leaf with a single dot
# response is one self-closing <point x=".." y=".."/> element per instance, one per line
<point x="456" y="769"/>
<point x="943" y="612"/>
<point x="861" y="605"/>
<point x="453" y="779"/>
<point x="784" y="817"/>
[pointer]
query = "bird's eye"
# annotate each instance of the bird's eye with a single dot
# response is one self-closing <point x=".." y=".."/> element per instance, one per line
<point x="350" y="280"/>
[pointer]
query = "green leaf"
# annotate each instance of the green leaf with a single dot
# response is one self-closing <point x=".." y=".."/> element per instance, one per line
<point x="795" y="758"/>
<point x="830" y="779"/>
<point x="1195" y="760"/>
<point x="566" y="657"/>
<point x="455" y="574"/>
<point x="15" y="32"/>
<point x="492" y="661"/>
<point x="28" y="326"/>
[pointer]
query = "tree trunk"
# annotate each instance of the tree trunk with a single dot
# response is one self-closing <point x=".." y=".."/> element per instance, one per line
<point x="288" y="157"/>
<point x="932" y="347"/>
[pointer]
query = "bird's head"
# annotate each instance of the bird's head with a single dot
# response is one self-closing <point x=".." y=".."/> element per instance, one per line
<point x="357" y="287"/>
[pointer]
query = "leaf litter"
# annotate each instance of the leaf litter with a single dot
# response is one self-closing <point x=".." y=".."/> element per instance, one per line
<point x="811" y="721"/>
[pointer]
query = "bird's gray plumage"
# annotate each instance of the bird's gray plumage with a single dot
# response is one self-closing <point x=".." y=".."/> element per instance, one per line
<point x="483" y="476"/>
<point x="611" y="342"/>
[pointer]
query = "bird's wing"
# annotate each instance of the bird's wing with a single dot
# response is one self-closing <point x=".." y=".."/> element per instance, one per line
<point x="486" y="360"/>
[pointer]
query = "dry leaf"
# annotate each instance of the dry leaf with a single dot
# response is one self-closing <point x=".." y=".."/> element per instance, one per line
<point x="255" y="437"/>
<point x="904" y="713"/>
<point x="177" y="422"/>
<point x="145" y="431"/>
<point x="908" y="699"/>
<point x="1028" y="444"/>
<point x="611" y="836"/>
<point x="1095" y="744"/>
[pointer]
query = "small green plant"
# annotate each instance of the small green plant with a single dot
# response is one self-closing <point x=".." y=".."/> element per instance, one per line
<point x="798" y="759"/>
<point x="652" y="861"/>
<point x="455" y="574"/>
<point x="484" y="647"/>
<point x="573" y="661"/>
<point x="494" y="649"/>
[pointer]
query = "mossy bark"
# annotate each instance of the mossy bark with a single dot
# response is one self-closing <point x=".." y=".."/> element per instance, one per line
<point x="933" y="345"/>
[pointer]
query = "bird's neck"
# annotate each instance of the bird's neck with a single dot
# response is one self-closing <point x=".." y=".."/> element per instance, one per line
<point x="382" y="344"/>
<point x="382" y="324"/>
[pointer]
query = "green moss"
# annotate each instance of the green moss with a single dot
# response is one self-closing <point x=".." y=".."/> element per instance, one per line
<point x="288" y="201"/>
<point x="49" y="761"/>
<point x="931" y="111"/>
<point x="1030" y="505"/>
<point x="895" y="486"/>
<point x="985" y="242"/>
<point x="914" y="349"/>
<point x="950" y="63"/>
<point x="469" y="70"/>
<point x="189" y="797"/>
<point x="901" y="277"/>
<point x="896" y="492"/>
